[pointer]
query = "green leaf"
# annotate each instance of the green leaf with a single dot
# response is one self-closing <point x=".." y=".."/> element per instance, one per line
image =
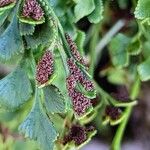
<point x="144" y="70"/>
<point x="60" y="80"/>
<point x="117" y="76"/>
<point x="83" y="8"/>
<point x="58" y="122"/>
<point x="136" y="87"/>
<point x="26" y="29"/>
<point x="135" y="47"/>
<point x="142" y="10"/>
<point x="43" y="35"/>
<point x="67" y="21"/>
<point x="37" y="125"/>
<point x="29" y="65"/>
<point x="97" y="15"/>
<point x="80" y="39"/>
<point x="15" y="89"/>
<point x="146" y="49"/>
<point x="10" y="41"/>
<point x="3" y="17"/>
<point x="54" y="100"/>
<point x="118" y="52"/>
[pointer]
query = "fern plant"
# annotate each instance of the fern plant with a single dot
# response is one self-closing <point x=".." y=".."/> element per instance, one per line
<point x="51" y="84"/>
<point x="49" y="71"/>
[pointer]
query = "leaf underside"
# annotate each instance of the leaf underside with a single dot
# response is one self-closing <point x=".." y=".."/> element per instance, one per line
<point x="15" y="90"/>
<point x="10" y="41"/>
<point x="37" y="125"/>
<point x="54" y="100"/>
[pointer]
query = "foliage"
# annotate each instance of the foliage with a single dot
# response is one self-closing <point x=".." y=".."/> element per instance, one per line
<point x="50" y="88"/>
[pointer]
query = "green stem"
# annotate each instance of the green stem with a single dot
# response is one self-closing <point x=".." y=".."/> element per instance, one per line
<point x="116" y="144"/>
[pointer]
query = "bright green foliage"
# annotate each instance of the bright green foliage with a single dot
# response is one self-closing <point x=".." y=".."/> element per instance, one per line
<point x="135" y="46"/>
<point x="15" y="89"/>
<point x="83" y="8"/>
<point x="80" y="39"/>
<point x="144" y="70"/>
<point x="118" y="50"/>
<point x="142" y="10"/>
<point x="96" y="16"/>
<point x="146" y="49"/>
<point x="116" y="75"/>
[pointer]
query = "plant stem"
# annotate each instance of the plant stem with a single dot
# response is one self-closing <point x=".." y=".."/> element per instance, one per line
<point x="116" y="144"/>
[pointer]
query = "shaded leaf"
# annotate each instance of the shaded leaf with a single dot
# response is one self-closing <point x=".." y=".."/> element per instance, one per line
<point x="54" y="100"/>
<point x="10" y="41"/>
<point x="97" y="15"/>
<point x="83" y="8"/>
<point x="15" y="89"/>
<point x="117" y="50"/>
<point x="26" y="29"/>
<point x="37" y="125"/>
<point x="146" y="49"/>
<point x="144" y="70"/>
<point x="60" y="80"/>
<point x="135" y="47"/>
<point x="3" y="17"/>
<point x="116" y="76"/>
<point x="43" y="35"/>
